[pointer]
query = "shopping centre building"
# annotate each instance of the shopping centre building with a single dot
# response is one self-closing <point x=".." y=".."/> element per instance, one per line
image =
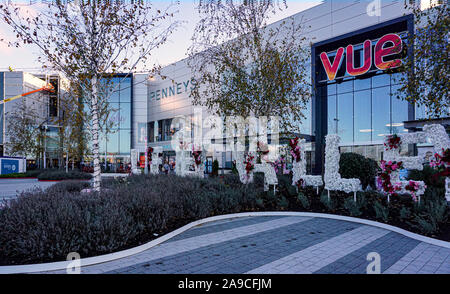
<point x="353" y="86"/>
<point x="354" y="95"/>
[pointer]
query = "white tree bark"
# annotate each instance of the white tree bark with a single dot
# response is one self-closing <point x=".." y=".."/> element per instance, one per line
<point x="95" y="135"/>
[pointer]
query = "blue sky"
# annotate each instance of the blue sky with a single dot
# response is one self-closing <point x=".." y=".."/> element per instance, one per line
<point x="175" y="49"/>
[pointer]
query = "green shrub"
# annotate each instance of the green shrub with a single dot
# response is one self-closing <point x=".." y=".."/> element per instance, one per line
<point x="381" y="211"/>
<point x="355" y="208"/>
<point x="303" y="200"/>
<point x="215" y="168"/>
<point x="427" y="175"/>
<point x="27" y="174"/>
<point x="432" y="212"/>
<point x="331" y="203"/>
<point x="62" y="175"/>
<point x="70" y="186"/>
<point x="405" y="214"/>
<point x="283" y="203"/>
<point x="353" y="165"/>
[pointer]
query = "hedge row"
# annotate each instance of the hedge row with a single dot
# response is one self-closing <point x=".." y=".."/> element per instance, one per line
<point x="45" y="226"/>
<point x="62" y="175"/>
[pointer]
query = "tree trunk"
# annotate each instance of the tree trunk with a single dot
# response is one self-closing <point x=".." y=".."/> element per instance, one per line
<point x="95" y="135"/>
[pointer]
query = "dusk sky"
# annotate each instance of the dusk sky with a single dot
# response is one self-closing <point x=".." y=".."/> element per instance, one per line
<point x="25" y="58"/>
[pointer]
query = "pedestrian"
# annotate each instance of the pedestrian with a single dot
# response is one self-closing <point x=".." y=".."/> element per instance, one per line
<point x="166" y="167"/>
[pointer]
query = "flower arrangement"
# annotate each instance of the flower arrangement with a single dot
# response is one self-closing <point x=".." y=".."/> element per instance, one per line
<point x="280" y="166"/>
<point x="300" y="183"/>
<point x="392" y="142"/>
<point x="149" y="155"/>
<point x="295" y="149"/>
<point x="249" y="163"/>
<point x="197" y="157"/>
<point x="413" y="187"/>
<point x="441" y="161"/>
<point x="384" y="180"/>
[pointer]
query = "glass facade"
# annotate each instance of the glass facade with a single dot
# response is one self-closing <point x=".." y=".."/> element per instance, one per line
<point x="363" y="111"/>
<point x="357" y="97"/>
<point x="118" y="141"/>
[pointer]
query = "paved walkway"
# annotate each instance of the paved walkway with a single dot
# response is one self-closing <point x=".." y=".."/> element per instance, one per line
<point x="10" y="188"/>
<point x="282" y="244"/>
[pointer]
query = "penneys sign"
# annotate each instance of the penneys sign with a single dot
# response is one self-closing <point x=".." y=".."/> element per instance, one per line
<point x="387" y="45"/>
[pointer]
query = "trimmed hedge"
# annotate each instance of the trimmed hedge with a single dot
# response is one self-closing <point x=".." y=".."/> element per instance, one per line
<point x="45" y="226"/>
<point x="28" y="174"/>
<point x="353" y="165"/>
<point x="62" y="175"/>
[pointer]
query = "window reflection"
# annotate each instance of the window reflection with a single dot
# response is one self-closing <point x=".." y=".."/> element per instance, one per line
<point x="345" y="87"/>
<point x="332" y="114"/>
<point x="381" y="80"/>
<point x="399" y="112"/>
<point x="362" y="84"/>
<point x="381" y="112"/>
<point x="345" y="117"/>
<point x="363" y="111"/>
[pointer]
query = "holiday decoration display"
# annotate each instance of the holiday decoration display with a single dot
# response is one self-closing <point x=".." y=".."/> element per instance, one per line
<point x="333" y="180"/>
<point x="299" y="165"/>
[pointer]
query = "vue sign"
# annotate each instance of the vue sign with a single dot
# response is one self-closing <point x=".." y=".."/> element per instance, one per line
<point x="387" y="45"/>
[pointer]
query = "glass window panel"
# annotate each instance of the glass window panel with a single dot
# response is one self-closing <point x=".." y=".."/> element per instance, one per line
<point x="125" y="90"/>
<point x="381" y="80"/>
<point x="114" y="114"/>
<point x="331" y="89"/>
<point x="420" y="111"/>
<point x="102" y="143"/>
<point x="125" y="115"/>
<point x="125" y="141"/>
<point x="399" y="112"/>
<point x="345" y="87"/>
<point x="305" y="125"/>
<point x="362" y="84"/>
<point x="114" y="87"/>
<point x="381" y="108"/>
<point x="363" y="124"/>
<point x="151" y="132"/>
<point x="332" y="114"/>
<point x="345" y="117"/>
<point x="113" y="142"/>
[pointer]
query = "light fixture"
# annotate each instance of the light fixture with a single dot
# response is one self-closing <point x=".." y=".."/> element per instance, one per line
<point x="395" y="125"/>
<point x="366" y="131"/>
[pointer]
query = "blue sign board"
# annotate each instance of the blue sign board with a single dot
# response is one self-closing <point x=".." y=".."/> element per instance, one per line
<point x="9" y="166"/>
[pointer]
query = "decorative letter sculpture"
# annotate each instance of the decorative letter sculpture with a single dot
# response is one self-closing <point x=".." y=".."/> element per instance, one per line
<point x="134" y="159"/>
<point x="156" y="161"/>
<point x="333" y="180"/>
<point x="299" y="166"/>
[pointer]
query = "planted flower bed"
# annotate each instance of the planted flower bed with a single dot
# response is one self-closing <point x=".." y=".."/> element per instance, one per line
<point x="45" y="226"/>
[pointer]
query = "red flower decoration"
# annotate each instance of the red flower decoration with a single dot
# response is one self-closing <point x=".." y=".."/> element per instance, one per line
<point x="197" y="157"/>
<point x="249" y="166"/>
<point x="295" y="149"/>
<point x="393" y="142"/>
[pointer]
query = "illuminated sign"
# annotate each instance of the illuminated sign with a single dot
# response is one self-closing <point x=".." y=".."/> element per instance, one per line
<point x="386" y="46"/>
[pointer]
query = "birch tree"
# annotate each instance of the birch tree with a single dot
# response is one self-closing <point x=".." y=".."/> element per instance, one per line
<point x="90" y="41"/>
<point x="426" y="79"/>
<point x="23" y="131"/>
<point x="244" y="67"/>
